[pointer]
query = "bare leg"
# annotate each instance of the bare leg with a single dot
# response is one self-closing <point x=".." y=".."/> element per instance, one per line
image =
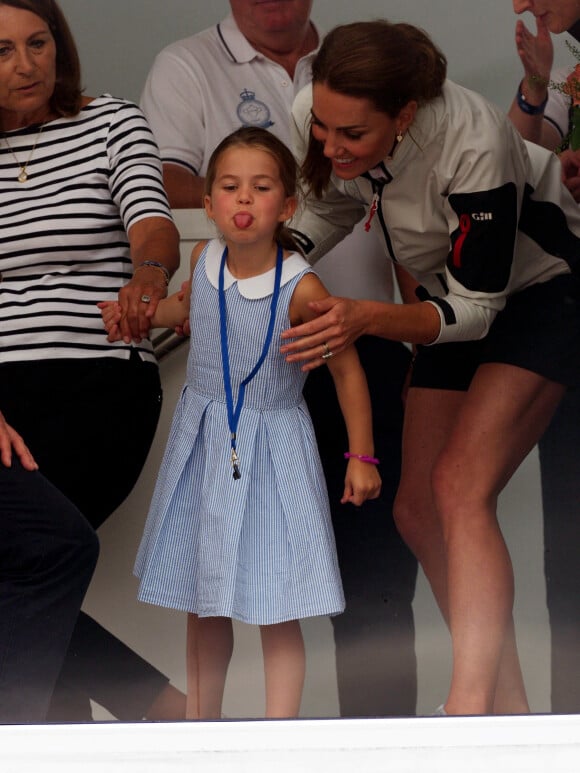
<point x="510" y="691"/>
<point x="284" y="668"/>
<point x="504" y="413"/>
<point x="431" y="415"/>
<point x="210" y="643"/>
<point x="169" y="705"/>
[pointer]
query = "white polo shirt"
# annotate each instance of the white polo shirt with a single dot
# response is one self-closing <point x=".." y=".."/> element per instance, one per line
<point x="204" y="87"/>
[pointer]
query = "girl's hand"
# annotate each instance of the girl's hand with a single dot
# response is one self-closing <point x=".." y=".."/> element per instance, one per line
<point x="536" y="53"/>
<point x="184" y="329"/>
<point x="111" y="313"/>
<point x="11" y="440"/>
<point x="362" y="482"/>
<point x="341" y="322"/>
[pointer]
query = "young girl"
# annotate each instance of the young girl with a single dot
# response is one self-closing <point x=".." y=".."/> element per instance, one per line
<point x="239" y="525"/>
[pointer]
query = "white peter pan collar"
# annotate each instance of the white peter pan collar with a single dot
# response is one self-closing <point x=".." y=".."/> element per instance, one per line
<point x="259" y="286"/>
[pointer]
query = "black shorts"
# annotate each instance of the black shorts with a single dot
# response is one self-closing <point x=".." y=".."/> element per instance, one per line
<point x="539" y="330"/>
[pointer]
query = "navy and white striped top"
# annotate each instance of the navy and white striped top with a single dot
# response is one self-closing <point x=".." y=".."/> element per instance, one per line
<point x="63" y="232"/>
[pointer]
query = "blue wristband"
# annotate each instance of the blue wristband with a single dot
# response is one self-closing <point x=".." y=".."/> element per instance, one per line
<point x="526" y="107"/>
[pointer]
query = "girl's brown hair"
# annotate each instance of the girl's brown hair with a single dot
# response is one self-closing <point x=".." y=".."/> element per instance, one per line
<point x="387" y="64"/>
<point x="67" y="95"/>
<point x="261" y="139"/>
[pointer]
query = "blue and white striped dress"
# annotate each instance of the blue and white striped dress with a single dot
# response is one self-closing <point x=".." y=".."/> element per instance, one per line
<point x="259" y="549"/>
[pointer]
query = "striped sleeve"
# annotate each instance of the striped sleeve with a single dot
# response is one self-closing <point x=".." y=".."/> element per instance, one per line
<point x="63" y="241"/>
<point x="136" y="174"/>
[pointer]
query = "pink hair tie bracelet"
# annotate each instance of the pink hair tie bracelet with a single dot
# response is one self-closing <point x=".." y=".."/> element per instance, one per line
<point x="361" y="458"/>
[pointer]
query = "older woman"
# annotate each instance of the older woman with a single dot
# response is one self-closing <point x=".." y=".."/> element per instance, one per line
<point x="489" y="231"/>
<point x="84" y="218"/>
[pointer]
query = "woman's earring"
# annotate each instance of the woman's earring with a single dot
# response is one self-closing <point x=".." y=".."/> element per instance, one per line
<point x="398" y="140"/>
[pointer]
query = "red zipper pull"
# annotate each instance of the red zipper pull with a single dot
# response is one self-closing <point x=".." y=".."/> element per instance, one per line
<point x="372" y="209"/>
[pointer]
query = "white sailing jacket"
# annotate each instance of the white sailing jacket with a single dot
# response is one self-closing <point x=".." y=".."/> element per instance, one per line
<point x="465" y="205"/>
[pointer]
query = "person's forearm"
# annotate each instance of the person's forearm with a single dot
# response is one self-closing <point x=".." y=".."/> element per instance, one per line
<point x="155" y="239"/>
<point x="355" y="403"/>
<point x="407" y="284"/>
<point x="341" y="321"/>
<point x="171" y="312"/>
<point x="415" y="323"/>
<point x="530" y="122"/>
<point x="529" y="126"/>
<point x="184" y="189"/>
<point x="353" y="397"/>
<point x="536" y="53"/>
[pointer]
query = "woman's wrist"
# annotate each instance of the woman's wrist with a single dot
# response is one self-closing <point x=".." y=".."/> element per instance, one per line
<point x="154" y="266"/>
<point x="532" y="96"/>
<point x="373" y="316"/>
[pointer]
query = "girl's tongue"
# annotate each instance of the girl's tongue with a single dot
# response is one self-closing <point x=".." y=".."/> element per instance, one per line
<point x="243" y="220"/>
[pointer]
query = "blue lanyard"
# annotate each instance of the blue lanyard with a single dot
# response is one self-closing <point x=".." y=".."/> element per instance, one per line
<point x="235" y="410"/>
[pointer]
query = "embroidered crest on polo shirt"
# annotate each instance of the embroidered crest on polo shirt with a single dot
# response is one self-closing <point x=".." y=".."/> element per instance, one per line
<point x="253" y="112"/>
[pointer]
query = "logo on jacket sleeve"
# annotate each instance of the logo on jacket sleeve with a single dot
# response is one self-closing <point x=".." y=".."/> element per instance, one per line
<point x="482" y="246"/>
<point x="252" y="112"/>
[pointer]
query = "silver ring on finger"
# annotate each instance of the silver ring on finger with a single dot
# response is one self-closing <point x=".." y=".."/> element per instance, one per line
<point x="327" y="354"/>
<point x="146" y="298"/>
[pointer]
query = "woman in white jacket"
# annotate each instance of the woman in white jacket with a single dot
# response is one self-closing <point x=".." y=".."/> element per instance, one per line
<point x="486" y="227"/>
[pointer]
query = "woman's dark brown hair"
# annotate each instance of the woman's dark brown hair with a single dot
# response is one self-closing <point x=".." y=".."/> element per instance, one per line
<point x="387" y="64"/>
<point x="260" y="139"/>
<point x="67" y="95"/>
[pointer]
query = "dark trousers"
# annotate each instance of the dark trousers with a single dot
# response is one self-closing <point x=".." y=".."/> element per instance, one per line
<point x="48" y="552"/>
<point x="90" y="424"/>
<point x="375" y="636"/>
<point x="560" y="474"/>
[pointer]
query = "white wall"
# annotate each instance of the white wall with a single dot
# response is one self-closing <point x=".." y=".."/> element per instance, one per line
<point x="118" y="40"/>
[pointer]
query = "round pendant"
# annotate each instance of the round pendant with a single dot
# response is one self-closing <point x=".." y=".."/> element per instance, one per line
<point x="22" y="177"/>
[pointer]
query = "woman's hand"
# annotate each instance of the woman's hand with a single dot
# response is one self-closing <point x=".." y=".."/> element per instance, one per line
<point x="152" y="239"/>
<point x="537" y="55"/>
<point x="138" y="301"/>
<point x="362" y="482"/>
<point x="10" y="440"/>
<point x="341" y="321"/>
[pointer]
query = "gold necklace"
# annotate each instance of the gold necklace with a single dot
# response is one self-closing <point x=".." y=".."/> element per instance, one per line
<point x="23" y="176"/>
